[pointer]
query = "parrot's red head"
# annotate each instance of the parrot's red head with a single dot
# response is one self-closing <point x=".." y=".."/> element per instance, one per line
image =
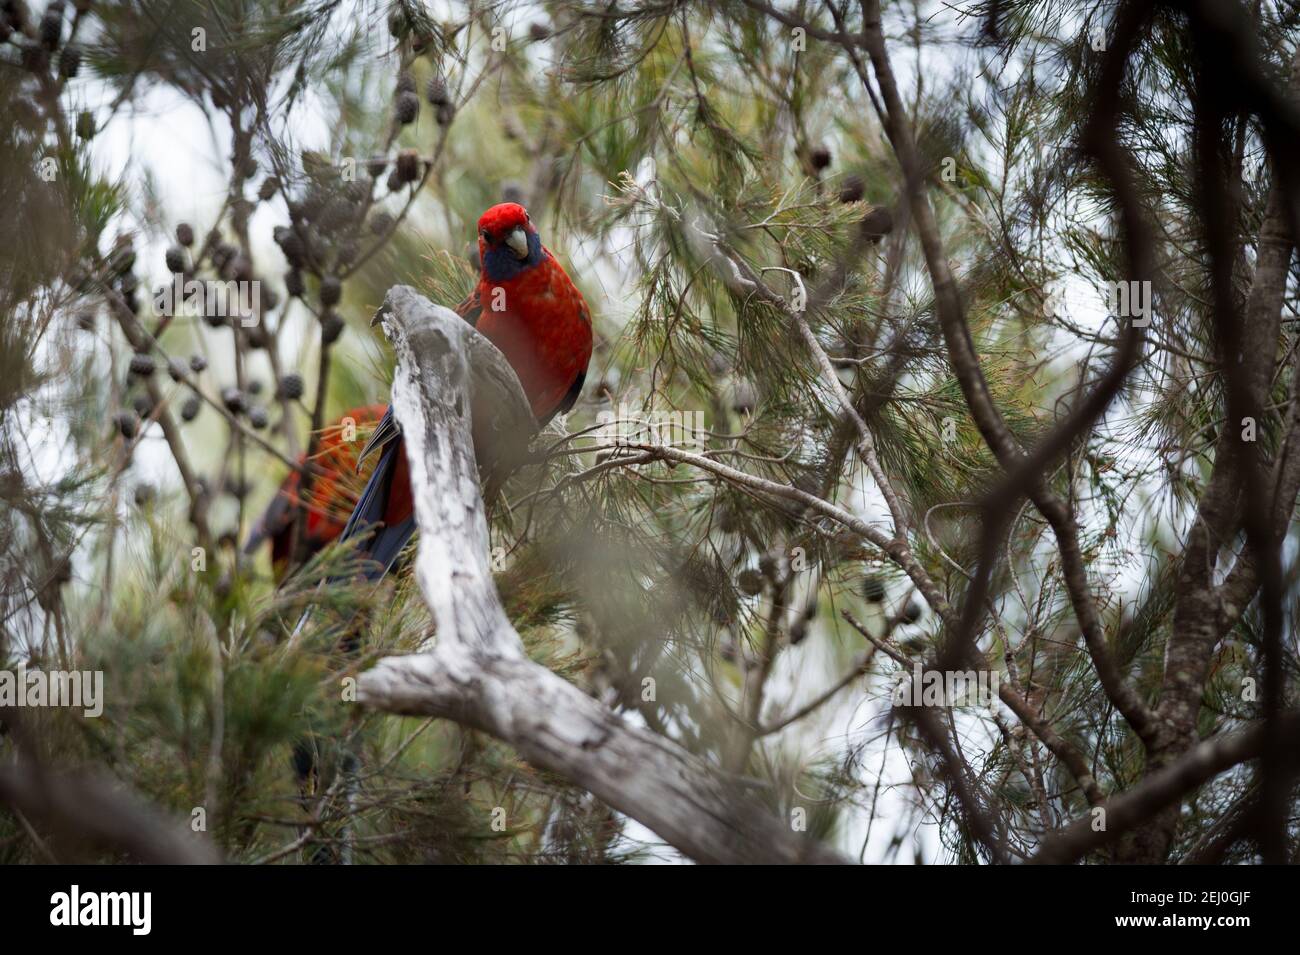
<point x="508" y="242"/>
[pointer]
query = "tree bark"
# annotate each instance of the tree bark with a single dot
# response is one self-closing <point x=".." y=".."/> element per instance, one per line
<point x="85" y="807"/>
<point x="452" y="391"/>
<point x="1204" y="613"/>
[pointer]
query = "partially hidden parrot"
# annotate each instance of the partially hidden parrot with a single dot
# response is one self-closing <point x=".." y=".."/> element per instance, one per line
<point x="529" y="308"/>
<point x="331" y="498"/>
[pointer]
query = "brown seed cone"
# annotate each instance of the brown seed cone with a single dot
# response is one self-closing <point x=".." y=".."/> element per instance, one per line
<point x="852" y="189"/>
<point x="331" y="290"/>
<point x="408" y="165"/>
<point x="406" y="108"/>
<point x="877" y="224"/>
<point x="435" y="91"/>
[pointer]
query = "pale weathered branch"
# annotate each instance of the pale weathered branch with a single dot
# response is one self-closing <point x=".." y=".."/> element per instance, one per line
<point x="450" y="380"/>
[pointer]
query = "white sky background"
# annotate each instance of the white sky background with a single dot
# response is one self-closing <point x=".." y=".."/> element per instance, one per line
<point x="167" y="138"/>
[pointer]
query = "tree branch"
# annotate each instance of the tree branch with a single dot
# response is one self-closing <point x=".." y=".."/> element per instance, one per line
<point x="1025" y="472"/>
<point x="88" y="806"/>
<point x="1161" y="789"/>
<point x="450" y="379"/>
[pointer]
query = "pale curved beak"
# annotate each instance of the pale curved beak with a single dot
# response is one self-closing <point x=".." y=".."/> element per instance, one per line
<point x="518" y="242"/>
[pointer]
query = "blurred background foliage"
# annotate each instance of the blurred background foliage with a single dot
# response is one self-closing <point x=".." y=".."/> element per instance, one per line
<point x="350" y="145"/>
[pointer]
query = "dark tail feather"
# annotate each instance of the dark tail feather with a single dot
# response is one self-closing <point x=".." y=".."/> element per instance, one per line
<point x="382" y="543"/>
<point x="378" y="544"/>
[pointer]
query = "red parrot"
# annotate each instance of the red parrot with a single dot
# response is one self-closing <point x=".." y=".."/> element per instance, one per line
<point x="331" y="498"/>
<point x="529" y="308"/>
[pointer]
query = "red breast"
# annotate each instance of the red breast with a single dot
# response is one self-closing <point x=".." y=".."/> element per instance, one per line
<point x="540" y="322"/>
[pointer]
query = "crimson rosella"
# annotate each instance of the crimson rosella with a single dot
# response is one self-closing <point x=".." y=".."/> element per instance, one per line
<point x="333" y="495"/>
<point x="529" y="308"/>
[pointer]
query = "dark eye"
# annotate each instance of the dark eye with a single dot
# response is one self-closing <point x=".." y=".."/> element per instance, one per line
<point x="486" y="237"/>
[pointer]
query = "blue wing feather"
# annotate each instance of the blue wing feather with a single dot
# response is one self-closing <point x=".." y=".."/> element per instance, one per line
<point x="384" y="543"/>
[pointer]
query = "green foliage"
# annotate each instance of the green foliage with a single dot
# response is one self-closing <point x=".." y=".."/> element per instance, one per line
<point x="652" y="142"/>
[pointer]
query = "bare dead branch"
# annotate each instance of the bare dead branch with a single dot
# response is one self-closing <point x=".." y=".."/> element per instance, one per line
<point x="1025" y="473"/>
<point x="475" y="672"/>
<point x="1161" y="789"/>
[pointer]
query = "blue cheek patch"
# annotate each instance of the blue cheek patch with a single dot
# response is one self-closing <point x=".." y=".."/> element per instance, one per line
<point x="500" y="264"/>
